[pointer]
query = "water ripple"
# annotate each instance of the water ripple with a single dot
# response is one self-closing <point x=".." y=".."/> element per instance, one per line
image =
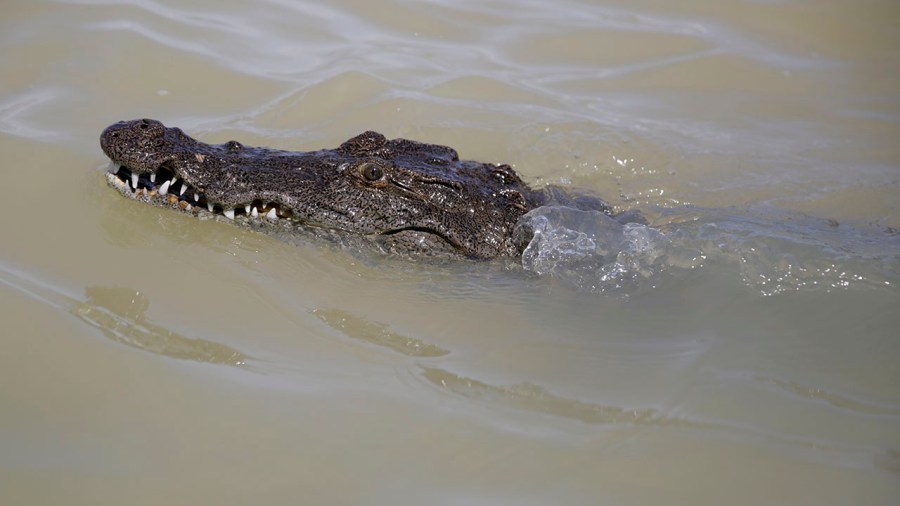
<point x="15" y="111"/>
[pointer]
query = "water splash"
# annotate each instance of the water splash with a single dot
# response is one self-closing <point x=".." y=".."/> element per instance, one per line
<point x="590" y="250"/>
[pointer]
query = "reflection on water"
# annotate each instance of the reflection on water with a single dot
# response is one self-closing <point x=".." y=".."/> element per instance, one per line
<point x="377" y="333"/>
<point x="119" y="314"/>
<point x="533" y="398"/>
<point x="838" y="401"/>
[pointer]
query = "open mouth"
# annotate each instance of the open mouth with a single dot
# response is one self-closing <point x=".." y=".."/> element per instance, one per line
<point x="163" y="188"/>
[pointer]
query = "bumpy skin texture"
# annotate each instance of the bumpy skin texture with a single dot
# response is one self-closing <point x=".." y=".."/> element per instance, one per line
<point x="404" y="196"/>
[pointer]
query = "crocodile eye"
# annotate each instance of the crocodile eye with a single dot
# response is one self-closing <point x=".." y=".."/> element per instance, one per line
<point x="371" y="172"/>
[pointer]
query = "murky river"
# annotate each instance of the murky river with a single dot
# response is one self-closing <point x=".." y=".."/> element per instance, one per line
<point x="743" y="348"/>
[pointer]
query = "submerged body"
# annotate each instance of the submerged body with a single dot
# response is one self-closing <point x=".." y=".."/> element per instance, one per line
<point x="403" y="196"/>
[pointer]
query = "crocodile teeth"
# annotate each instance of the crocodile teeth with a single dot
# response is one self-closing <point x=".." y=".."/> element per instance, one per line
<point x="134" y="180"/>
<point x="183" y="188"/>
<point x="271" y="214"/>
<point x="209" y="206"/>
<point x="196" y="197"/>
<point x="188" y="207"/>
<point x="254" y="212"/>
<point x="247" y="209"/>
<point x="164" y="188"/>
<point x="153" y="177"/>
<point x="229" y="214"/>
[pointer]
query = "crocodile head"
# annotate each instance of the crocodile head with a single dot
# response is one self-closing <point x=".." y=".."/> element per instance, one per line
<point x="403" y="196"/>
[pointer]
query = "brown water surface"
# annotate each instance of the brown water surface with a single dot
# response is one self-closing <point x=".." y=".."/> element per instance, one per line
<point x="741" y="350"/>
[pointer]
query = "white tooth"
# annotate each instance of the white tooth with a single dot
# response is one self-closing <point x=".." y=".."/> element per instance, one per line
<point x="153" y="177"/>
<point x="164" y="188"/>
<point x="196" y="197"/>
<point x="271" y="214"/>
<point x="229" y="214"/>
<point x="188" y="208"/>
<point x="173" y="181"/>
<point x="254" y="213"/>
<point x="183" y="188"/>
<point x="247" y="209"/>
<point x="210" y="206"/>
<point x="134" y="180"/>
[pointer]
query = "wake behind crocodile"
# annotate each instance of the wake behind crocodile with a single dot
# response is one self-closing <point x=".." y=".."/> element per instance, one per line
<point x="768" y="250"/>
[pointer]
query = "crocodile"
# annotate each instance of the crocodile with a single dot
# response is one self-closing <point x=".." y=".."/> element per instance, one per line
<point x="401" y="196"/>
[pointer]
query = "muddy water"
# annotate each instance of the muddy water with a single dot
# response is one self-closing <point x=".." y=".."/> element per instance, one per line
<point x="743" y="349"/>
